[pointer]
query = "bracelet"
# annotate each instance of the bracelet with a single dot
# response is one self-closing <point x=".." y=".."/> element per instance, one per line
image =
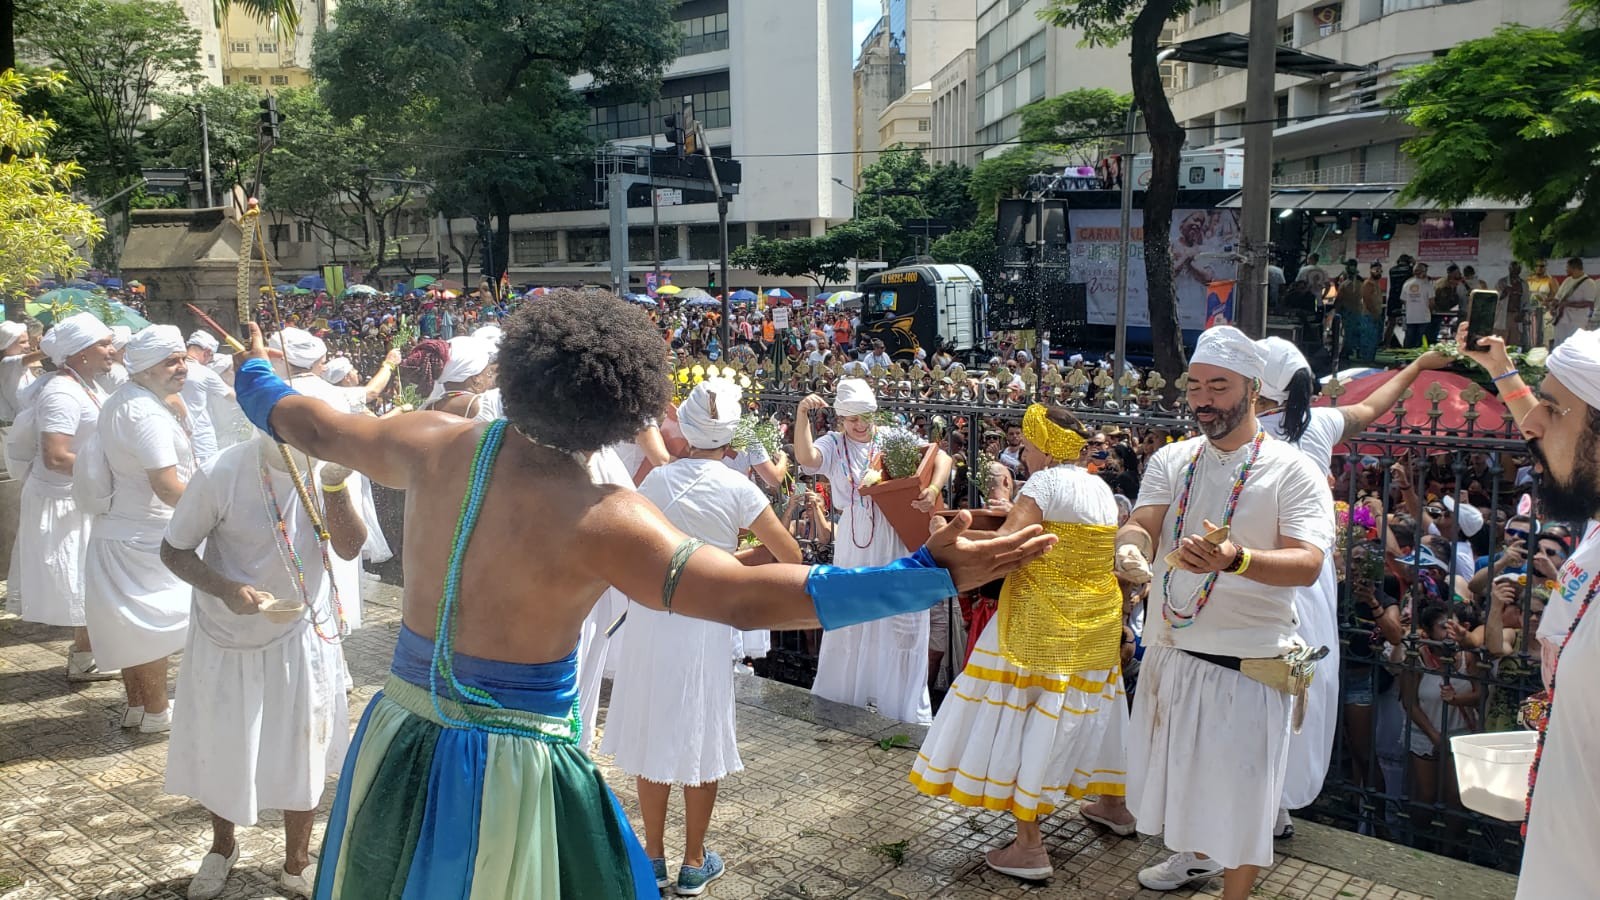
<point x="1240" y="563"/>
<point x="680" y="560"/>
<point x="1517" y="394"/>
<point x="335" y="488"/>
<point x="1502" y="377"/>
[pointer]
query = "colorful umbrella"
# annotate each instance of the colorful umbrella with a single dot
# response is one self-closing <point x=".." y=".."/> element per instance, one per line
<point x="119" y="314"/>
<point x="422" y="281"/>
<point x="742" y="295"/>
<point x="312" y="283"/>
<point x="361" y="289"/>
<point x="669" y="289"/>
<point x="780" y="292"/>
<point x="62" y="295"/>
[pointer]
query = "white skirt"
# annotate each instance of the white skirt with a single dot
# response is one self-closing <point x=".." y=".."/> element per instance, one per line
<point x="1207" y="748"/>
<point x="1022" y="742"/>
<point x="52" y="539"/>
<point x="136" y="609"/>
<point x="752" y="644"/>
<point x="258" y="729"/>
<point x="593" y="652"/>
<point x="1311" y="750"/>
<point x="671" y="718"/>
<point x="376" y="549"/>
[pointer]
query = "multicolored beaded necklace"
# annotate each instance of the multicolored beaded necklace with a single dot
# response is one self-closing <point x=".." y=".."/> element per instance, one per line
<point x="1183" y="618"/>
<point x="855" y="487"/>
<point x="1538" y="752"/>
<point x="296" y="566"/>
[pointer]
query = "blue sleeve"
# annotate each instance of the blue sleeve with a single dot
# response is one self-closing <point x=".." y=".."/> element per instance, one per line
<point x="258" y="390"/>
<point x="846" y="597"/>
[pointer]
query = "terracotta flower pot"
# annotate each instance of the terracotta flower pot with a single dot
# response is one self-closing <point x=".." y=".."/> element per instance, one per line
<point x="895" y="496"/>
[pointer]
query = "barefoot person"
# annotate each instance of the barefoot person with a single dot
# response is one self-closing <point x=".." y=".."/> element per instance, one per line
<point x="137" y="610"/>
<point x="261" y="717"/>
<point x="880" y="665"/>
<point x="1208" y="742"/>
<point x="466" y="775"/>
<point x="671" y="718"/>
<point x="1039" y="713"/>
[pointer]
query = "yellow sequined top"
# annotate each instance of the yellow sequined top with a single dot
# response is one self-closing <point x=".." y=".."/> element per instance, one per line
<point x="1062" y="613"/>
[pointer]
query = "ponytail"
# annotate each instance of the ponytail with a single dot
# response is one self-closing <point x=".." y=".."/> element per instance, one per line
<point x="1297" y="406"/>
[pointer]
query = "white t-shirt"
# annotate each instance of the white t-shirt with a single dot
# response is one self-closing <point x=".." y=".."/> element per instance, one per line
<point x="64" y="405"/>
<point x="138" y="434"/>
<point x="14" y="377"/>
<point x="202" y="388"/>
<point x="1322" y="434"/>
<point x="745" y="461"/>
<point x="1416" y="293"/>
<point x="1285" y="496"/>
<point x="840" y="465"/>
<point x="1070" y="494"/>
<point x="705" y="499"/>
<point x="343" y="399"/>
<point x="1575" y="579"/>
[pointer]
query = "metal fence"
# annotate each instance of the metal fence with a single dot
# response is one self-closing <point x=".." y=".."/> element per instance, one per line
<point x="1442" y="442"/>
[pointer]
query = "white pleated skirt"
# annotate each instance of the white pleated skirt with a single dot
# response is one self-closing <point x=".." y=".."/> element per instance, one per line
<point x="258" y="729"/>
<point x="1207" y="749"/>
<point x="1311" y="750"/>
<point x="671" y="717"/>
<point x="1023" y="742"/>
<point x="136" y="609"/>
<point x="52" y="540"/>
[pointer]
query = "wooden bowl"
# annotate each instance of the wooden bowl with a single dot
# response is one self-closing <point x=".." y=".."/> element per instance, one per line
<point x="281" y="610"/>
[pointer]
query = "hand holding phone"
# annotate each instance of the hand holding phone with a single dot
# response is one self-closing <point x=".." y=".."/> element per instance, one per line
<point x="1480" y="316"/>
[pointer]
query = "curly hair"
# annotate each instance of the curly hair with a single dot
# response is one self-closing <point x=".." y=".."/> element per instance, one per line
<point x="580" y="369"/>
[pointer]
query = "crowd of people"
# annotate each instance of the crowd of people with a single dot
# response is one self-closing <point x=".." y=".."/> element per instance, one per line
<point x="1165" y="623"/>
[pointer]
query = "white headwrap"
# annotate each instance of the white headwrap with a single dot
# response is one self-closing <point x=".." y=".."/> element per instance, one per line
<point x="300" y="347"/>
<point x="709" y="416"/>
<point x="1226" y="347"/>
<point x="337" y="369"/>
<point x="10" y="333"/>
<point x="204" y="341"/>
<point x="1282" y="360"/>
<point x="151" y="346"/>
<point x="855" y="398"/>
<point x="489" y="334"/>
<point x="120" y="336"/>
<point x="1576" y="363"/>
<point x="469" y="356"/>
<point x="73" y="335"/>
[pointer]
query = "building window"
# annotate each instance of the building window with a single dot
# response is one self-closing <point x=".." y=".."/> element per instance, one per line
<point x="588" y="246"/>
<point x="704" y="34"/>
<point x="712" y="99"/>
<point x="278" y="234"/>
<point x="705" y="242"/>
<point x="252" y="79"/>
<point x="211" y="60"/>
<point x="533" y="247"/>
<point x="1286" y="34"/>
<point x="239" y="46"/>
<point x="227" y="79"/>
<point x="268" y="46"/>
<point x="922" y="125"/>
<point x="280" y="79"/>
<point x="302" y="232"/>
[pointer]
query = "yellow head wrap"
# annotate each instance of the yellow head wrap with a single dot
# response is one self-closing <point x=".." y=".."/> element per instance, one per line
<point x="1054" y="440"/>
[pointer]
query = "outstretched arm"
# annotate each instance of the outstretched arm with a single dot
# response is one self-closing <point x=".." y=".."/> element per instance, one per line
<point x="1360" y="415"/>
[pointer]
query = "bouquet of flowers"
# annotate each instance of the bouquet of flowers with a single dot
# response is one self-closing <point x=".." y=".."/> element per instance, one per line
<point x="1359" y="541"/>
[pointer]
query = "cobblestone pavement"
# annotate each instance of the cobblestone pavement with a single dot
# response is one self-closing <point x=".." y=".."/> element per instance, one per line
<point x="822" y="810"/>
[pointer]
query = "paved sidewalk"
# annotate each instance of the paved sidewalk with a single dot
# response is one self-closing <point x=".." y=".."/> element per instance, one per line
<point x="822" y="810"/>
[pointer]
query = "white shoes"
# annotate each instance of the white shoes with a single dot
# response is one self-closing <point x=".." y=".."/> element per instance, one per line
<point x="1283" y="828"/>
<point x="213" y="875"/>
<point x="1179" y="870"/>
<point x="155" y="723"/>
<point x="82" y="667"/>
<point x="298" y="885"/>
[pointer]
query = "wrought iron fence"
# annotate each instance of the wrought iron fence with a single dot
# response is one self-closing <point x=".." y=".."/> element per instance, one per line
<point x="1439" y="442"/>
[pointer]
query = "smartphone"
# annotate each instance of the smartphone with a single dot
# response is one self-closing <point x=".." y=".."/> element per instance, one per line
<point x="1480" y="316"/>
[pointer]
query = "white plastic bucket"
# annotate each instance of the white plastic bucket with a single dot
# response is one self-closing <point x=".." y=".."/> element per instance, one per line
<point x="1492" y="770"/>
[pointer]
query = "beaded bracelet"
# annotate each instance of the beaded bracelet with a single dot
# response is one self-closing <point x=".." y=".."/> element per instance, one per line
<point x="1517" y="394"/>
<point x="334" y="488"/>
<point x="1502" y="377"/>
<point x="680" y="560"/>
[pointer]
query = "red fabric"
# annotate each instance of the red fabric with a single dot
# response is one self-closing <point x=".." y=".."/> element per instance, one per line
<point x="977" y="611"/>
<point x="1491" y="420"/>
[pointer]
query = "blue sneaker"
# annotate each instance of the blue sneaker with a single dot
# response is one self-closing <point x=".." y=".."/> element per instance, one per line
<point x="660" y="867"/>
<point x="692" y="881"/>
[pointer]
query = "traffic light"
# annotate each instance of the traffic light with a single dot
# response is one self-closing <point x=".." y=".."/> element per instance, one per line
<point x="676" y="135"/>
<point x="270" y="118"/>
<point x="1383" y="227"/>
<point x="711" y="278"/>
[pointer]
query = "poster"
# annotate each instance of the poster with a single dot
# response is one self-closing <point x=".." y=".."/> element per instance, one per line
<point x="1219" y="303"/>
<point x="1372" y="251"/>
<point x="1441" y="240"/>
<point x="1203" y="241"/>
<point x="650" y="284"/>
<point x="780" y="317"/>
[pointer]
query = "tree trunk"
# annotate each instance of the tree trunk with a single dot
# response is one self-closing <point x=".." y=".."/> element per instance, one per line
<point x="501" y="255"/>
<point x="1161" y="196"/>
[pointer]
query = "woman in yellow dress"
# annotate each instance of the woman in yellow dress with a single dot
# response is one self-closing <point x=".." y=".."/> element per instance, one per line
<point x="1039" y="713"/>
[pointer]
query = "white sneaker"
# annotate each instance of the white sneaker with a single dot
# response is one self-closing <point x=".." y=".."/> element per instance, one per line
<point x="154" y="723"/>
<point x="132" y="716"/>
<point x="213" y="875"/>
<point x="1283" y="828"/>
<point x="1179" y="870"/>
<point x="298" y="885"/>
<point x="82" y="667"/>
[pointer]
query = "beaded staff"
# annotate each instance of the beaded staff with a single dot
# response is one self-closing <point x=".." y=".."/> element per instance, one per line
<point x="1202" y="596"/>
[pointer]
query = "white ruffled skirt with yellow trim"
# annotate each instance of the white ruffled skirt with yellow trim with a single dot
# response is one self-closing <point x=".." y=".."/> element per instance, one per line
<point x="1023" y="742"/>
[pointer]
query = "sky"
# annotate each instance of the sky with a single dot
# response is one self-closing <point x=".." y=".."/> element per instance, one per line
<point x="865" y="15"/>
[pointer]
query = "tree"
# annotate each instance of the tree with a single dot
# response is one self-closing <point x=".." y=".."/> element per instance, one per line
<point x="822" y="259"/>
<point x="1492" y="105"/>
<point x="41" y="225"/>
<point x="901" y="185"/>
<point x="1075" y="125"/>
<point x="482" y="89"/>
<point x="117" y="54"/>
<point x="1004" y="175"/>
<point x="975" y="247"/>
<point x="1141" y="22"/>
<point x="174" y="139"/>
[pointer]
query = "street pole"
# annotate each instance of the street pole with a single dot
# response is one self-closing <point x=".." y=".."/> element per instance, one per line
<point x="1250" y="290"/>
<point x="722" y="227"/>
<point x="1125" y="168"/>
<point x="655" y="213"/>
<point x="205" y="156"/>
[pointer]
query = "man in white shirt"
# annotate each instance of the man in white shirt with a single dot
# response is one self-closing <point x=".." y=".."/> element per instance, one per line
<point x="201" y="388"/>
<point x="1574" y="301"/>
<point x="1208" y="746"/>
<point x="1416" y="294"/>
<point x="879" y="357"/>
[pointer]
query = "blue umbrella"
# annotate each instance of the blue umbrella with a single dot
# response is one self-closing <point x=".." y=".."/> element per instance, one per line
<point x="705" y="301"/>
<point x="780" y="292"/>
<point x="312" y="283"/>
<point x="641" y="299"/>
<point x="282" y="288"/>
<point x="823" y="296"/>
<point x="113" y="283"/>
<point x="82" y="285"/>
<point x="742" y="295"/>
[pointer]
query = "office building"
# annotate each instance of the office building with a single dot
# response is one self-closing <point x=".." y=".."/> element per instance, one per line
<point x="907" y="122"/>
<point x="255" y="53"/>
<point x="953" y="110"/>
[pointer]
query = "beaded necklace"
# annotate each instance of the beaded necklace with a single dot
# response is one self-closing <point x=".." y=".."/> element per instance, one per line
<point x="1183" y="618"/>
<point x="855" y="488"/>
<point x="444" y="635"/>
<point x="1538" y="751"/>
<point x="296" y="566"/>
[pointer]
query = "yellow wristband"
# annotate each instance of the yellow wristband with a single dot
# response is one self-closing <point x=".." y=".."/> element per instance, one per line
<point x="334" y="488"/>
<point x="1244" y="562"/>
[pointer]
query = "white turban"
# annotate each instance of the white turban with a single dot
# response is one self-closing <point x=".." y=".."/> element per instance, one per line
<point x="73" y="335"/>
<point x="709" y="416"/>
<point x="10" y="333"/>
<point x="120" y="336"/>
<point x="469" y="356"/>
<point x="1226" y="347"/>
<point x="337" y="370"/>
<point x="1576" y="363"/>
<point x="855" y="398"/>
<point x="1282" y="359"/>
<point x="300" y="347"/>
<point x="489" y="334"/>
<point x="151" y="346"/>
<point x="204" y="341"/>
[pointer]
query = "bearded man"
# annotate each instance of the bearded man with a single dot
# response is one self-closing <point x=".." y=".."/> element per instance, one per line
<point x="1209" y="740"/>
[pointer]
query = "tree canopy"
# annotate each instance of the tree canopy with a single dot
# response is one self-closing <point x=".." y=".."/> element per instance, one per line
<point x="1515" y="116"/>
<point x="822" y="259"/>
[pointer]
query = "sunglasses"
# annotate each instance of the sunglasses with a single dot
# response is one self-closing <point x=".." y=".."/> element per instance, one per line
<point x="1516" y="534"/>
<point x="1097" y="443"/>
<point x="1435" y="511"/>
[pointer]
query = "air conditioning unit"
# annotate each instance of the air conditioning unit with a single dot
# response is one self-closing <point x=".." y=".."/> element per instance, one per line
<point x="1201" y="170"/>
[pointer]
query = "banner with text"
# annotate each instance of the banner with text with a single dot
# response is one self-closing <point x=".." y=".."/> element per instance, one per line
<point x="1202" y="241"/>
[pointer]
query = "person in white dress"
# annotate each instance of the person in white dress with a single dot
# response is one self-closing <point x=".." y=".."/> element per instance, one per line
<point x="755" y="460"/>
<point x="1208" y="744"/>
<point x="136" y="609"/>
<point x="1039" y="714"/>
<point x="880" y="665"/>
<point x="117" y="376"/>
<point x="202" y="391"/>
<point x="261" y="718"/>
<point x="595" y="660"/>
<point x="465" y="380"/>
<point x="1284" y="409"/>
<point x="671" y="717"/>
<point x="19" y="366"/>
<point x="52" y="533"/>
